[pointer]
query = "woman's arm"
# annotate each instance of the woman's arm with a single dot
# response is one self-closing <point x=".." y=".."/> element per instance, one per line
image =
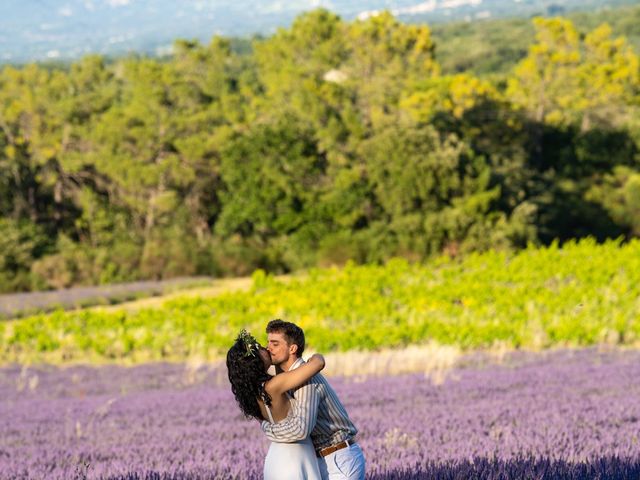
<point x="295" y="378"/>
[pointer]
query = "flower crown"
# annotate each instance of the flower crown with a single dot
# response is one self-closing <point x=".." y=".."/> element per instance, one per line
<point x="250" y="343"/>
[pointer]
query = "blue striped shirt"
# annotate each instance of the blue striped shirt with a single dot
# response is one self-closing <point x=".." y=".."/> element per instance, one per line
<point x="315" y="410"/>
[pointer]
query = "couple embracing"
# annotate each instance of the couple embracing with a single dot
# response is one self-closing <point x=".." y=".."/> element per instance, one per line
<point x="312" y="437"/>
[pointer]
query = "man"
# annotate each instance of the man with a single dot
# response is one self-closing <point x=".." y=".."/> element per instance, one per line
<point x="316" y="411"/>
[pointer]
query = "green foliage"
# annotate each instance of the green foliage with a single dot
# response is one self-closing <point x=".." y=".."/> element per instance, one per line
<point x="20" y="243"/>
<point x="619" y="193"/>
<point x="432" y="192"/>
<point x="494" y="47"/>
<point x="578" y="295"/>
<point x="270" y="173"/>
<point x="566" y="81"/>
<point x="482" y="48"/>
<point x="329" y="141"/>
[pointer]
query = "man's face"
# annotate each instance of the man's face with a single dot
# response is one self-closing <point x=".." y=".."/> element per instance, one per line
<point x="278" y="347"/>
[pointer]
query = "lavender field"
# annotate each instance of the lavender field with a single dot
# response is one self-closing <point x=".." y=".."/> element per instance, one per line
<point x="566" y="414"/>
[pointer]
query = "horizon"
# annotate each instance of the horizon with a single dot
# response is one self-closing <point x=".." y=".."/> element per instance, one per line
<point x="65" y="31"/>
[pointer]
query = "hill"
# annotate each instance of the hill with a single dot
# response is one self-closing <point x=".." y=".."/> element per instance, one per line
<point x="45" y="30"/>
<point x="495" y="46"/>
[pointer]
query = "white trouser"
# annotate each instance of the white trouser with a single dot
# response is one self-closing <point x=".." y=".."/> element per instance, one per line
<point x="344" y="464"/>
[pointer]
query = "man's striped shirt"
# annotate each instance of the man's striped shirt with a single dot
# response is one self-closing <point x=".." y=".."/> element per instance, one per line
<point x="315" y="410"/>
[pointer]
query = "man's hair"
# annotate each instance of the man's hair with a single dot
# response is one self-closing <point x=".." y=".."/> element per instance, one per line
<point x="293" y="334"/>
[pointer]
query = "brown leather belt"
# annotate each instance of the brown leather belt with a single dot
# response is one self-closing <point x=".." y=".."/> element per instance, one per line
<point x="334" y="448"/>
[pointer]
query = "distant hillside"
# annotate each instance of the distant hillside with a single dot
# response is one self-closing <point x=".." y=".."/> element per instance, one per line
<point x="495" y="46"/>
<point x="55" y="30"/>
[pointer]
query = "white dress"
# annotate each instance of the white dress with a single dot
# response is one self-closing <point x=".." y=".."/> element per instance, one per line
<point x="291" y="461"/>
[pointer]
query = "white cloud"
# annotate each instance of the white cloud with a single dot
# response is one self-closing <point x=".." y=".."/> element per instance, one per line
<point x="274" y="7"/>
<point x="117" y="39"/>
<point x="118" y="3"/>
<point x="432" y="5"/>
<point x="459" y="3"/>
<point x="424" y="7"/>
<point x="65" y="11"/>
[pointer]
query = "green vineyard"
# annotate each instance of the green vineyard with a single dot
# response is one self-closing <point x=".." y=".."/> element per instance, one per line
<point x="581" y="294"/>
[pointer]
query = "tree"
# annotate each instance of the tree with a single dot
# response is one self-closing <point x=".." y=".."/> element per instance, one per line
<point x="158" y="147"/>
<point x="21" y="242"/>
<point x="619" y="194"/>
<point x="271" y="173"/>
<point x="33" y="137"/>
<point x="544" y="82"/>
<point x="433" y="191"/>
<point x="565" y="81"/>
<point x="609" y="79"/>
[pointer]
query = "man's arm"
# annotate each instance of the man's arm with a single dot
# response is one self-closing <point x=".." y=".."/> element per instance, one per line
<point x="301" y="420"/>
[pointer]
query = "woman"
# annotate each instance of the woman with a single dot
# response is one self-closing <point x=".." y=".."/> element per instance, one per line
<point x="265" y="397"/>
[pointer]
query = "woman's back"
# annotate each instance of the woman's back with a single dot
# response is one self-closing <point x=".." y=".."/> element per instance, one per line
<point x="279" y="406"/>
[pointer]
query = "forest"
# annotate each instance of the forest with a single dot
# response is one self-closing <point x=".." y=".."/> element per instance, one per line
<point x="327" y="142"/>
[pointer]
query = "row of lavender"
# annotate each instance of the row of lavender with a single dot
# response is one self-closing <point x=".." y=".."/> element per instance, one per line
<point x="570" y="414"/>
<point x="32" y="303"/>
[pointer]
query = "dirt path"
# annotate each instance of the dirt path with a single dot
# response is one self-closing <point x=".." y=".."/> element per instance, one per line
<point x="217" y="287"/>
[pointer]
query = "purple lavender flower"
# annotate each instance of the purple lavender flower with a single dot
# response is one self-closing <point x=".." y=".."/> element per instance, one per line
<point x="572" y="414"/>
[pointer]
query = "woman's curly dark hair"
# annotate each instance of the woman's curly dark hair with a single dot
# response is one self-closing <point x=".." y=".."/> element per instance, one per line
<point x="247" y="376"/>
